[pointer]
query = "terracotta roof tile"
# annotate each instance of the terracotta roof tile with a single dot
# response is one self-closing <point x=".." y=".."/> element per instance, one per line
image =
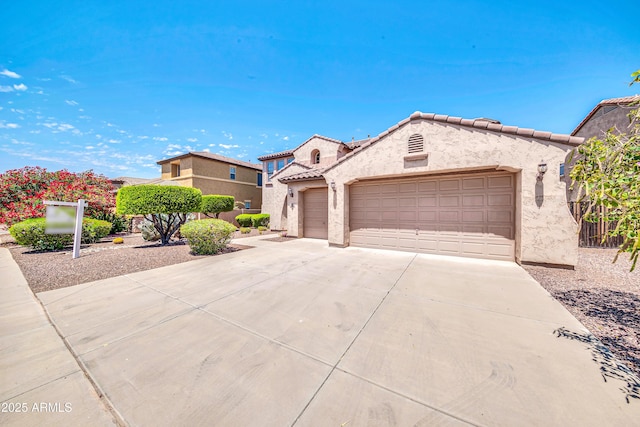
<point x="304" y="176"/>
<point x="285" y="153"/>
<point x="212" y="156"/>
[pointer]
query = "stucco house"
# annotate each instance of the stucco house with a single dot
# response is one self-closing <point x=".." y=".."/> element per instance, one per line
<point x="609" y="113"/>
<point x="434" y="184"/>
<point x="215" y="174"/>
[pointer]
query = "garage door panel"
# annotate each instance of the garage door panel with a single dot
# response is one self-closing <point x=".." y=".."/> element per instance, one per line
<point x="449" y="185"/>
<point x="473" y="183"/>
<point x="467" y="215"/>
<point x="427" y="186"/>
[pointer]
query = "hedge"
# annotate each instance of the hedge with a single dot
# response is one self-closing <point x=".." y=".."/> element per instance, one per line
<point x="207" y="236"/>
<point x="157" y="199"/>
<point x="253" y="220"/>
<point x="31" y="232"/>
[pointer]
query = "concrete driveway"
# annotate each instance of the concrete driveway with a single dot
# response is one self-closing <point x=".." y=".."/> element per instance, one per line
<point x="297" y="333"/>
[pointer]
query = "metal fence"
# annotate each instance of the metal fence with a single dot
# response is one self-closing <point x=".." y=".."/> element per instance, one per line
<point x="591" y="233"/>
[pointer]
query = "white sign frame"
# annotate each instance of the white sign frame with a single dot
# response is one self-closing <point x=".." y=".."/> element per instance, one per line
<point x="77" y="234"/>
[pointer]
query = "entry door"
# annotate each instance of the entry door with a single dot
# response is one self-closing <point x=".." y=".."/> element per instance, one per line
<point x="316" y="208"/>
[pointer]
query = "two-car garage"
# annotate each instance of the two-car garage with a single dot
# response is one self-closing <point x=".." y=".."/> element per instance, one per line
<point x="471" y="215"/>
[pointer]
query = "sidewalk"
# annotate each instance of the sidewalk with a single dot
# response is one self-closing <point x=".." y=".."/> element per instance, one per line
<point x="42" y="384"/>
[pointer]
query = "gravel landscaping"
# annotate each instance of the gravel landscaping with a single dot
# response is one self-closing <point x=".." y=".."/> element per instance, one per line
<point x="605" y="297"/>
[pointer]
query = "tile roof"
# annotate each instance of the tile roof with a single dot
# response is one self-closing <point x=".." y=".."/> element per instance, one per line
<point x="479" y="123"/>
<point x="207" y="155"/>
<point x="625" y="100"/>
<point x="285" y="153"/>
<point x="304" y="176"/>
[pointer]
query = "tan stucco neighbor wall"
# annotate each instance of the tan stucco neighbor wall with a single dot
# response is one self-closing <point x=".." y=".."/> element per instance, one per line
<point x="213" y="177"/>
<point x="602" y="121"/>
<point x="545" y="230"/>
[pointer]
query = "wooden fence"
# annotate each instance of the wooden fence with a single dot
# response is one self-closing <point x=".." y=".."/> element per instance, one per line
<point x="591" y="233"/>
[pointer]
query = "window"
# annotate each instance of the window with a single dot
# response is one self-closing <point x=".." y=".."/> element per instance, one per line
<point x="175" y="170"/>
<point x="247" y="204"/>
<point x="315" y="157"/>
<point x="259" y="178"/>
<point x="561" y="170"/>
<point x="269" y="170"/>
<point x="415" y="144"/>
<point x="280" y="164"/>
<point x="232" y="172"/>
<point x="289" y="160"/>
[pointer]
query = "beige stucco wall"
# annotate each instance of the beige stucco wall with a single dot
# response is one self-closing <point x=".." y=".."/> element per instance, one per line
<point x="276" y="202"/>
<point x="328" y="152"/>
<point x="213" y="177"/>
<point x="545" y="230"/>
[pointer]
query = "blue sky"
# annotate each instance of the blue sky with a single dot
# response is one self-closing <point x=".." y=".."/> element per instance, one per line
<point x="116" y="86"/>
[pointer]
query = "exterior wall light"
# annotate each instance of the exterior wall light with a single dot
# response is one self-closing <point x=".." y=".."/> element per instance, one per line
<point x="333" y="185"/>
<point x="290" y="192"/>
<point x="542" y="169"/>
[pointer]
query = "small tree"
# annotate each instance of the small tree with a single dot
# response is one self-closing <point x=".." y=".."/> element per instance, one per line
<point x="215" y="203"/>
<point x="607" y="172"/>
<point x="152" y="200"/>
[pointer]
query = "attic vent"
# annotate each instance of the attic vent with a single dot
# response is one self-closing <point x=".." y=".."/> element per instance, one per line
<point x="415" y="144"/>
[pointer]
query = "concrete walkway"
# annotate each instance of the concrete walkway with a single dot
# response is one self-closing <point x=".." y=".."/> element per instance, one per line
<point x="297" y="333"/>
<point x="41" y="384"/>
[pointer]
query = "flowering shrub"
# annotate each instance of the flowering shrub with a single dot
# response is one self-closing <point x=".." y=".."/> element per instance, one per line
<point x="23" y="190"/>
<point x="245" y="230"/>
<point x="207" y="236"/>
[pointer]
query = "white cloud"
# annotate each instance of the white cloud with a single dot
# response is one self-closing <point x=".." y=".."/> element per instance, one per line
<point x="65" y="127"/>
<point x="89" y="147"/>
<point x="192" y="139"/>
<point x="212" y="145"/>
<point x="143" y="137"/>
<point x="261" y="142"/>
<point x="160" y="138"/>
<point x="6" y="89"/>
<point x="35" y="131"/>
<point x="114" y="141"/>
<point x="240" y="156"/>
<point x="264" y="135"/>
<point x="286" y="138"/>
<point x="206" y="150"/>
<point x="10" y="74"/>
<point x="227" y="135"/>
<point x="69" y="79"/>
<point x="71" y="102"/>
<point x="16" y="142"/>
<point x="228" y="146"/>
<point x="4" y="125"/>
<point x="156" y="125"/>
<point x="21" y="87"/>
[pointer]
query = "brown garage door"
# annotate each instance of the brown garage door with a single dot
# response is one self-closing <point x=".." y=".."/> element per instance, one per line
<point x="464" y="215"/>
<point x="316" y="209"/>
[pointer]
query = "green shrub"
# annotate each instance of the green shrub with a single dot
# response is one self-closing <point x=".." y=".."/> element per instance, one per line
<point x="207" y="236"/>
<point x="31" y="232"/>
<point x="260" y="219"/>
<point x="215" y="203"/>
<point x="150" y="232"/>
<point x="262" y="228"/>
<point x="119" y="223"/>
<point x="245" y="230"/>
<point x="244" y="220"/>
<point x="94" y="230"/>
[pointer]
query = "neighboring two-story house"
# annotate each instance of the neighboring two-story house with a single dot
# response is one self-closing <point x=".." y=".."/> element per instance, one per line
<point x="215" y="174"/>
<point x="433" y="184"/>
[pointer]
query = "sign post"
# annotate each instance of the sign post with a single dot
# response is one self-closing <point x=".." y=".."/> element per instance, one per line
<point x="60" y="220"/>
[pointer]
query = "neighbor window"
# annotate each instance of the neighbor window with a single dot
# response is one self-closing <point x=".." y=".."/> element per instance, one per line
<point x="232" y="172"/>
<point x="280" y="164"/>
<point x="289" y="160"/>
<point x="247" y="204"/>
<point x="415" y="144"/>
<point x="315" y="157"/>
<point x="259" y="178"/>
<point x="175" y="170"/>
<point x="269" y="170"/>
<point x="561" y="170"/>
